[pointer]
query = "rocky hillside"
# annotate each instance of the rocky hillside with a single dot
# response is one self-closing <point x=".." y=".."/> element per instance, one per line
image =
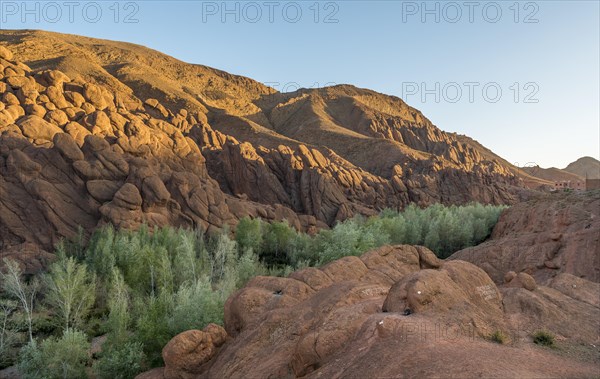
<point x="95" y="132"/>
<point x="553" y="174"/>
<point x="399" y="305"/>
<point x="546" y="236"/>
<point x="585" y="167"/>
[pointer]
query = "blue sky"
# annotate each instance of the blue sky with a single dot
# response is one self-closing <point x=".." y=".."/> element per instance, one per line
<point x="520" y="77"/>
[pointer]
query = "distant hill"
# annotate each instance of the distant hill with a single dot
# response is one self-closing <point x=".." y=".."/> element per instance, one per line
<point x="552" y="174"/>
<point x="576" y="171"/>
<point x="586" y="166"/>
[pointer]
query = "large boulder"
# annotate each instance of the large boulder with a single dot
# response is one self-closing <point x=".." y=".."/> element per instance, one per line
<point x="186" y="353"/>
<point x="5" y="53"/>
<point x="459" y="293"/>
<point x="36" y="128"/>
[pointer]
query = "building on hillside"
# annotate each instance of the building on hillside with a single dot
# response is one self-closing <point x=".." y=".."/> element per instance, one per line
<point x="576" y="185"/>
<point x="592" y="184"/>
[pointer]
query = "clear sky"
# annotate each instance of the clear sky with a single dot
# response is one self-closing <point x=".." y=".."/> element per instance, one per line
<point x="522" y="78"/>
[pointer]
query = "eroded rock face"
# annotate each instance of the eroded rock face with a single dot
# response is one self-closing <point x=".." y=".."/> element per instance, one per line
<point x="458" y="292"/>
<point x="72" y="138"/>
<point x="73" y="155"/>
<point x="544" y="237"/>
<point x="387" y="313"/>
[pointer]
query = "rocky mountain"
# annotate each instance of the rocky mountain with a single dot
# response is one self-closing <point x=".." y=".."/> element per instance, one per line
<point x="585" y="167"/>
<point x="95" y="131"/>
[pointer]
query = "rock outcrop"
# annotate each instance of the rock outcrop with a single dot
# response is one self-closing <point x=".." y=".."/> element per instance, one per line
<point x="544" y="237"/>
<point x="186" y="353"/>
<point x="399" y="305"/>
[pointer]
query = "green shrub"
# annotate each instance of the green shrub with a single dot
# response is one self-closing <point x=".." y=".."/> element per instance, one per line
<point x="248" y="267"/>
<point x="347" y="238"/>
<point x="123" y="362"/>
<point x="302" y="251"/>
<point x="498" y="336"/>
<point x="62" y="358"/>
<point x="543" y="338"/>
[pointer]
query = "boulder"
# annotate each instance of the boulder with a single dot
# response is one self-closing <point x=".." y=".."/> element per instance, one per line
<point x="5" y="53"/>
<point x="94" y="95"/>
<point x="154" y="191"/>
<point x="102" y="190"/>
<point x="37" y="128"/>
<point x="186" y="353"/>
<point x="128" y="197"/>
<point x="68" y="147"/>
<point x="522" y="280"/>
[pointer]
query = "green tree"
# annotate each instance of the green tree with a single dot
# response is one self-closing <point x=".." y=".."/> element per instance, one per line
<point x="248" y="266"/>
<point x="249" y="234"/>
<point x="223" y="253"/>
<point x="118" y="305"/>
<point x="185" y="261"/>
<point x="100" y="254"/>
<point x="13" y="284"/>
<point x="196" y="305"/>
<point x="70" y="291"/>
<point x="152" y="325"/>
<point x="276" y="241"/>
<point x="432" y="239"/>
<point x="7" y="336"/>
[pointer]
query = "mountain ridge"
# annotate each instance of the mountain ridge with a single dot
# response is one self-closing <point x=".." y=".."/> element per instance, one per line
<point x="146" y="138"/>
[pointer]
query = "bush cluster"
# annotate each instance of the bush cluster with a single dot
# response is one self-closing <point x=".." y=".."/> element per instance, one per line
<point x="139" y="288"/>
<point x="544" y="338"/>
<point x="442" y="229"/>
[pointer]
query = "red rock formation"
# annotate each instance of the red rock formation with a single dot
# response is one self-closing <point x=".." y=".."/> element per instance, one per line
<point x="399" y="305"/>
<point x="546" y="236"/>
<point x="85" y="141"/>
